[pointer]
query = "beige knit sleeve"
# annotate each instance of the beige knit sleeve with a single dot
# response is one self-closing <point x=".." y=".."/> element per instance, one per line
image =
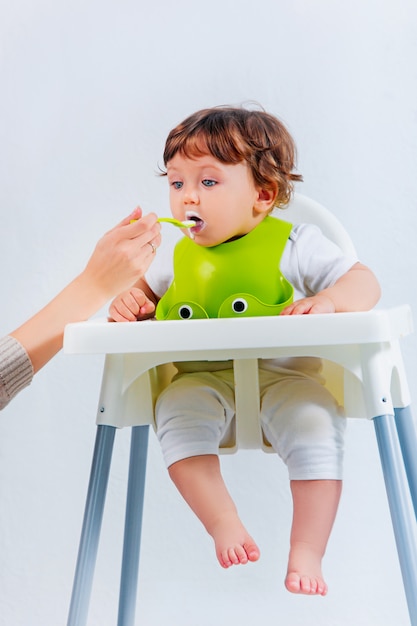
<point x="16" y="371"/>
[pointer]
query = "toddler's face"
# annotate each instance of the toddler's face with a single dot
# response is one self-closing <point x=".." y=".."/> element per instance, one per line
<point x="221" y="198"/>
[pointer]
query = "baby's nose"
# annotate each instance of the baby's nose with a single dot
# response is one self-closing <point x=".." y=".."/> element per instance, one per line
<point x="191" y="196"/>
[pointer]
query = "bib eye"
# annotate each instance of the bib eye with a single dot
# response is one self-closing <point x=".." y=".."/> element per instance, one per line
<point x="185" y="312"/>
<point x="239" y="305"/>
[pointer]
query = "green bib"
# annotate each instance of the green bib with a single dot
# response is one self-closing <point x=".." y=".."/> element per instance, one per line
<point x="238" y="278"/>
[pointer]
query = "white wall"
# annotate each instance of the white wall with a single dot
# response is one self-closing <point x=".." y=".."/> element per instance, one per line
<point x="89" y="91"/>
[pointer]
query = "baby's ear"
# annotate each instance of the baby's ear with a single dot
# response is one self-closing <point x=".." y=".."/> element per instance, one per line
<point x="265" y="200"/>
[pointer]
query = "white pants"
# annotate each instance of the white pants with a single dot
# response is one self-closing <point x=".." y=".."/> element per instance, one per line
<point x="299" y="417"/>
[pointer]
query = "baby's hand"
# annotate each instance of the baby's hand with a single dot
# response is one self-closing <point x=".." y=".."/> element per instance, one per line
<point x="130" y="306"/>
<point x="315" y="304"/>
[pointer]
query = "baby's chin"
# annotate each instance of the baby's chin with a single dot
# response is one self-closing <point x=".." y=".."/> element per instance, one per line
<point x="204" y="240"/>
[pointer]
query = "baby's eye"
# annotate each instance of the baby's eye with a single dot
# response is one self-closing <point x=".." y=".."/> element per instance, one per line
<point x="176" y="184"/>
<point x="207" y="182"/>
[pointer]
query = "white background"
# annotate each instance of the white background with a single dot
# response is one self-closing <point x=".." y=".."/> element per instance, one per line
<point x="89" y="91"/>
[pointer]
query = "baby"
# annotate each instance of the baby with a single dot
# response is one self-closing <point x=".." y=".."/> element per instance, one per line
<point x="227" y="169"/>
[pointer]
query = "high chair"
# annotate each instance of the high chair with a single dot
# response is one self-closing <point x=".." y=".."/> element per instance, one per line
<point x="364" y="370"/>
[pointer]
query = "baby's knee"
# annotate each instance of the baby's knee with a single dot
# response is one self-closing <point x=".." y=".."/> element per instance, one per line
<point x="191" y="420"/>
<point x="307" y="432"/>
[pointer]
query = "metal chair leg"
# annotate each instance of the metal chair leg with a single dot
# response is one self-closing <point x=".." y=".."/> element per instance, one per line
<point x="133" y="525"/>
<point x="90" y="534"/>
<point x="407" y="434"/>
<point x="402" y="516"/>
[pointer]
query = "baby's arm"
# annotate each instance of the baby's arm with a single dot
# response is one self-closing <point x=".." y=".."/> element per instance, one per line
<point x="357" y="290"/>
<point x="136" y="303"/>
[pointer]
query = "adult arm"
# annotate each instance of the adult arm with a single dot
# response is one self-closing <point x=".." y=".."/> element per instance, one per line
<point x="16" y="371"/>
<point x="120" y="257"/>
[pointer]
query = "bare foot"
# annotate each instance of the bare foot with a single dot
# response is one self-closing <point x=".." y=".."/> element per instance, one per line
<point x="233" y="544"/>
<point x="304" y="571"/>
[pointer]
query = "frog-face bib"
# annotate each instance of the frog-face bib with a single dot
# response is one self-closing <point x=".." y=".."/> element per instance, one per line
<point x="239" y="278"/>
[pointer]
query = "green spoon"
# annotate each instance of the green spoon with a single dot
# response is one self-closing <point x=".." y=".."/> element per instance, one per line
<point x="174" y="222"/>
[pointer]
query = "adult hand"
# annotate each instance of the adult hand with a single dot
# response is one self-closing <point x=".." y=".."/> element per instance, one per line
<point x="123" y="254"/>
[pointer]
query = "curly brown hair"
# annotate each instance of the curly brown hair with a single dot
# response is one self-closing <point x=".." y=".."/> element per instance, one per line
<point x="235" y="134"/>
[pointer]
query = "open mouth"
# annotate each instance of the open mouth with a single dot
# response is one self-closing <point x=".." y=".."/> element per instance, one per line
<point x="199" y="223"/>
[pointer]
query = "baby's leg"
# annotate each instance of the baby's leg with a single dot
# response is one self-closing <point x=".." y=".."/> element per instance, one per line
<point x="315" y="507"/>
<point x="200" y="482"/>
<point x="193" y="414"/>
<point x="306" y="426"/>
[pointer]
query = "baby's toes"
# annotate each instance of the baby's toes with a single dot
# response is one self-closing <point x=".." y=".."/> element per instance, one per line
<point x="305" y="585"/>
<point x="224" y="559"/>
<point x="252" y="551"/>
<point x="241" y="555"/>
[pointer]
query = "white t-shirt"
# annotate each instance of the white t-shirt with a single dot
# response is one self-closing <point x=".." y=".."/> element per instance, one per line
<point x="310" y="262"/>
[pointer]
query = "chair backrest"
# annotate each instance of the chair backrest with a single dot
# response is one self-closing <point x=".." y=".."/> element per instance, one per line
<point x="304" y="210"/>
